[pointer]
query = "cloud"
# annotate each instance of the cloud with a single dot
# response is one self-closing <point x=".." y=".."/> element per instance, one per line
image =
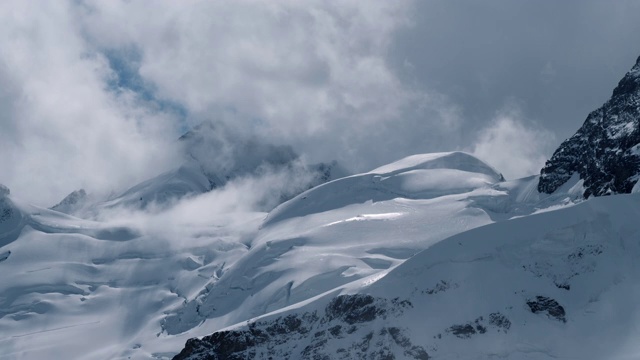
<point x="548" y="54"/>
<point x="313" y="75"/>
<point x="226" y="210"/>
<point x="62" y="127"/>
<point x="513" y="146"/>
<point x="95" y="93"/>
<point x="100" y="89"/>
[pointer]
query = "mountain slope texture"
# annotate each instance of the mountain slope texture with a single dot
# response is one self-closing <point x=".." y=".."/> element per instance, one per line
<point x="544" y="284"/>
<point x="605" y="151"/>
<point x="556" y="285"/>
<point x="434" y="256"/>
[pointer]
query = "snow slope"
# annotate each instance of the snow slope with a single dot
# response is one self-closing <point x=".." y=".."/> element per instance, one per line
<point x="138" y="286"/>
<point x="187" y="180"/>
<point x="423" y="176"/>
<point x="210" y="156"/>
<point x="556" y="285"/>
<point x="433" y="256"/>
<point x="341" y="231"/>
<point x="79" y="289"/>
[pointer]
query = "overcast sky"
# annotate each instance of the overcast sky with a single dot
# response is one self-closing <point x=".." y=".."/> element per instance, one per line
<point x="94" y="93"/>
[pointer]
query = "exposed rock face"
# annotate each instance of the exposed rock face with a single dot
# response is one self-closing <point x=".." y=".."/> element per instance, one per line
<point x="543" y="304"/>
<point x="605" y="151"/>
<point x="480" y="325"/>
<point x="315" y="336"/>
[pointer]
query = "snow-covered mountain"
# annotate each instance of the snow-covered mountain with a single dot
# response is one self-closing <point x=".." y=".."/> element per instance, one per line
<point x="557" y="280"/>
<point x="212" y="156"/>
<point x="221" y="154"/>
<point x="340" y="231"/>
<point x="72" y="203"/>
<point x="605" y="151"/>
<point x="556" y="285"/>
<point x="140" y="286"/>
<point x="434" y="256"/>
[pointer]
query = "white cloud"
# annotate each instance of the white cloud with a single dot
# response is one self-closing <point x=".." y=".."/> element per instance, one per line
<point x="237" y="202"/>
<point x="62" y="128"/>
<point x="512" y="146"/>
<point x="313" y="75"/>
<point x="310" y="74"/>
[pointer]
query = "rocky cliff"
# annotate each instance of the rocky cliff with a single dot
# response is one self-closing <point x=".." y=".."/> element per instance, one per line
<point x="605" y="151"/>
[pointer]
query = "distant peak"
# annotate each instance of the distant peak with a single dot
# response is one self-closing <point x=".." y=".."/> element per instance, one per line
<point x="71" y="202"/>
<point x="457" y="160"/>
<point x="630" y="83"/>
<point x="203" y="127"/>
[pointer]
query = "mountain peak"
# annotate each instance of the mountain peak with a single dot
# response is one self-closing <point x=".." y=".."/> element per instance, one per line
<point x="630" y="83"/>
<point x="71" y="202"/>
<point x="605" y="151"/>
<point x="455" y="160"/>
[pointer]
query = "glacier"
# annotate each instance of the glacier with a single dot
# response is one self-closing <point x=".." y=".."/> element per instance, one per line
<point x="140" y="284"/>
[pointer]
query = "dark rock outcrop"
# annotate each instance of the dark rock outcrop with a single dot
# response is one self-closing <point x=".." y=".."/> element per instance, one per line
<point x="543" y="304"/>
<point x="480" y="325"/>
<point x="605" y="151"/>
<point x="314" y="335"/>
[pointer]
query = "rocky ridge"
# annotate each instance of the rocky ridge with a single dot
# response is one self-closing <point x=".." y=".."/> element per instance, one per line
<point x="605" y="151"/>
<point x="346" y="317"/>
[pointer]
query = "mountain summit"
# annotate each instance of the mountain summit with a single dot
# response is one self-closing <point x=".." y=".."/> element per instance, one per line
<point x="605" y="151"/>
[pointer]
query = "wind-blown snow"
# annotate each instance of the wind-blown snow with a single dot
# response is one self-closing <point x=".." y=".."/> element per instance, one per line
<point x="415" y="177"/>
<point x="170" y="186"/>
<point x="447" y="160"/>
